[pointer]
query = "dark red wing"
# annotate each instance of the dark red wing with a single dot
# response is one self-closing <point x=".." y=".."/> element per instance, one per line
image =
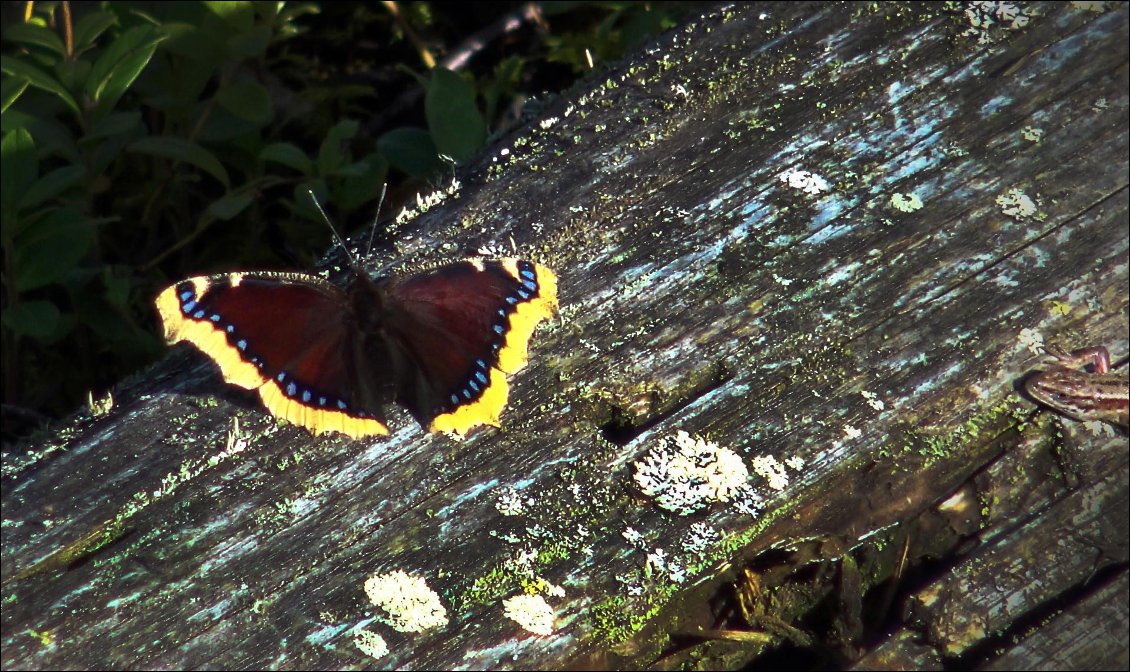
<point x="464" y="326"/>
<point x="290" y="336"/>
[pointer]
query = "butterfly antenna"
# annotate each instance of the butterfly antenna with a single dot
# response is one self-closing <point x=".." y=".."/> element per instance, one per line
<point x="337" y="236"/>
<point x="451" y="163"/>
<point x="376" y="218"/>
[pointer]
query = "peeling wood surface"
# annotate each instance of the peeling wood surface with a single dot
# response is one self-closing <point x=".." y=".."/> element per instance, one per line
<point x="700" y="292"/>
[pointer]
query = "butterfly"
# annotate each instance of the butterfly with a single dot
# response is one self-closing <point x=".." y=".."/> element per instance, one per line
<point x="440" y="342"/>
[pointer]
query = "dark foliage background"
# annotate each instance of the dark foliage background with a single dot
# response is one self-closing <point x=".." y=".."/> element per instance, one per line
<point x="145" y="142"/>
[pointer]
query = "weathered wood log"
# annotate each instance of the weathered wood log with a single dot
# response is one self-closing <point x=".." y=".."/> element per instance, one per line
<point x="830" y="235"/>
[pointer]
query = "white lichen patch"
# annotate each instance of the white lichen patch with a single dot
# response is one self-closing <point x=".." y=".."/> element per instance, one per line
<point x="1032" y="134"/>
<point x="509" y="502"/>
<point x="808" y="182"/>
<point x="657" y="564"/>
<point x="531" y="612"/>
<point x="552" y="589"/>
<point x="370" y="643"/>
<point x="1097" y="7"/>
<point x="1099" y="428"/>
<point x="1016" y="204"/>
<point x="748" y="501"/>
<point x="495" y="250"/>
<point x="409" y="604"/>
<point x="906" y="202"/>
<point x="873" y="400"/>
<point x="684" y="474"/>
<point x="796" y="462"/>
<point x="851" y="432"/>
<point x="767" y="467"/>
<point x="700" y="538"/>
<point x="983" y="16"/>
<point x="1032" y="340"/>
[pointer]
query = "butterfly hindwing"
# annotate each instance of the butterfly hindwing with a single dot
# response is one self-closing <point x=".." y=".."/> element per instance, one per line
<point x="467" y="325"/>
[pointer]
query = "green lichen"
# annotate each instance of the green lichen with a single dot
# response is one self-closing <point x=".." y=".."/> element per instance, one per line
<point x="937" y="447"/>
<point x="617" y="618"/>
<point x="488" y="588"/>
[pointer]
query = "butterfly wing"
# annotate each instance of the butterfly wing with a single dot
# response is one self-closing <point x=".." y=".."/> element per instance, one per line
<point x="464" y="327"/>
<point x="291" y="337"/>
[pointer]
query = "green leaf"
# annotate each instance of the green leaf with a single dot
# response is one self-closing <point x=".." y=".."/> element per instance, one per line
<point x="251" y="43"/>
<point x="50" y="249"/>
<point x="72" y="74"/>
<point x="112" y="326"/>
<point x="90" y="27"/>
<point x="11" y="88"/>
<point x="238" y="15"/>
<point x="193" y="43"/>
<point x="36" y="319"/>
<point x="113" y="125"/>
<point x="334" y="152"/>
<point x="288" y="155"/>
<point x="456" y="125"/>
<point x="503" y="83"/>
<point x="365" y="185"/>
<point x="247" y="100"/>
<point x="410" y="150"/>
<point x="53" y="134"/>
<point x="121" y="63"/>
<point x="304" y="203"/>
<point x="39" y="79"/>
<point x="19" y="168"/>
<point x="229" y="206"/>
<point x="222" y="127"/>
<point x="117" y="286"/>
<point x="180" y="149"/>
<point x="51" y="185"/>
<point x="33" y="34"/>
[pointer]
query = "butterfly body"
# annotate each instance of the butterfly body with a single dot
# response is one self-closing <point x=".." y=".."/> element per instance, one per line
<point x="439" y="342"/>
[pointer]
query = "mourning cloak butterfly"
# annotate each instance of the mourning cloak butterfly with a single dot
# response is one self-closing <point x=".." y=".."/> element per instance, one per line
<point x="440" y="343"/>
